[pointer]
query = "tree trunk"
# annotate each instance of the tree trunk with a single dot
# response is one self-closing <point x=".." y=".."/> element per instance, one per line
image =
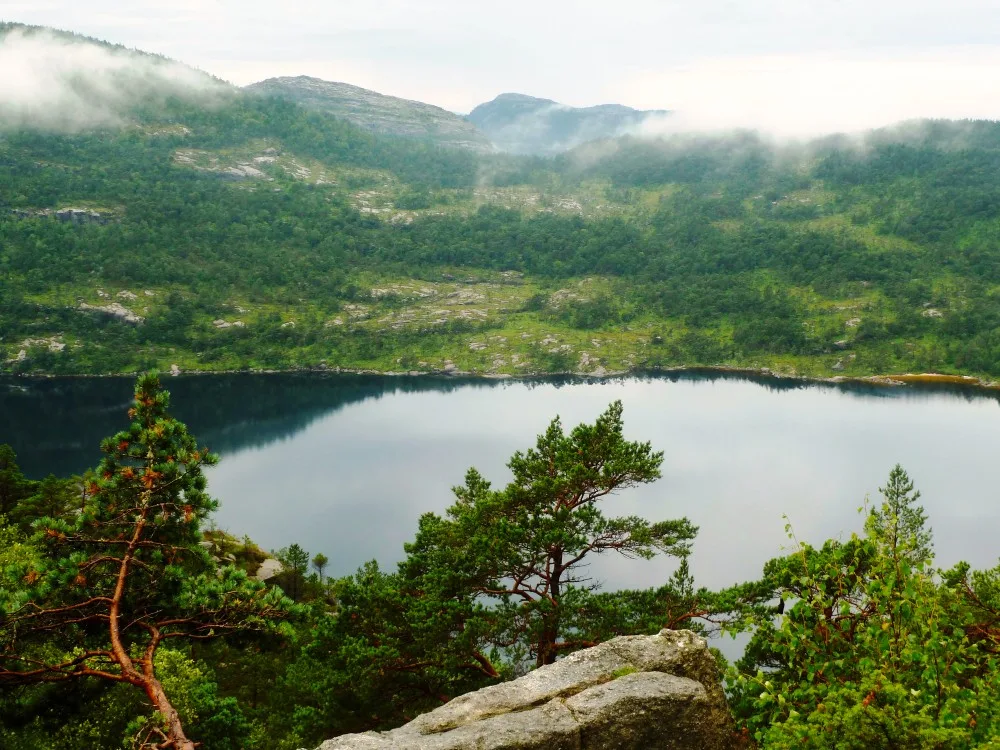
<point x="550" y="622"/>
<point x="176" y="738"/>
<point x="547" y="643"/>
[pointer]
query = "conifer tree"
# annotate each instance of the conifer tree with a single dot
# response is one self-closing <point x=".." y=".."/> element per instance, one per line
<point x="128" y="574"/>
<point x="320" y="561"/>
<point x="899" y="523"/>
<point x="296" y="563"/>
<point x="52" y="498"/>
<point x="524" y="545"/>
<point x="875" y="649"/>
<point x="14" y="486"/>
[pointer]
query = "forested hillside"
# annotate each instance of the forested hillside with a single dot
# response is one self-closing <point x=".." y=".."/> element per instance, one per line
<point x="243" y="232"/>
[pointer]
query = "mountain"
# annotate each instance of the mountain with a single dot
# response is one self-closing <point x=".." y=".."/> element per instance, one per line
<point x="376" y="112"/>
<point x="524" y="124"/>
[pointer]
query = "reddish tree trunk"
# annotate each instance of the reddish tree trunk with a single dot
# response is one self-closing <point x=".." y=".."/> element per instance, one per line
<point x="176" y="739"/>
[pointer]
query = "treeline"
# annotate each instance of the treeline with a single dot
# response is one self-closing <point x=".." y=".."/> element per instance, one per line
<point x="856" y="643"/>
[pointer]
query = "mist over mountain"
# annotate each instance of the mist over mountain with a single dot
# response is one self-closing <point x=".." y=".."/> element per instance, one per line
<point x="513" y="123"/>
<point x="376" y="112"/>
<point x="66" y="83"/>
<point x="523" y="124"/>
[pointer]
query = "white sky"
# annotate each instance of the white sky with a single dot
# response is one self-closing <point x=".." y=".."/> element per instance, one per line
<point x="785" y="65"/>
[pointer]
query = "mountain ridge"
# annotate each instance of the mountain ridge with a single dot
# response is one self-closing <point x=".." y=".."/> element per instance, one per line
<point x="374" y="111"/>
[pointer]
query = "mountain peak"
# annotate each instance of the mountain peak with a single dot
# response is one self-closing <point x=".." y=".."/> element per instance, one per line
<point x="525" y="124"/>
<point x="510" y="97"/>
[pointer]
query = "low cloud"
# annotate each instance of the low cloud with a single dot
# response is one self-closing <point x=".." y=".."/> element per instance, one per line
<point x="806" y="96"/>
<point x="69" y="84"/>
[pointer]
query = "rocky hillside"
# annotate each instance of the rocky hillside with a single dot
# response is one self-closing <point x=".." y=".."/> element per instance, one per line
<point x="376" y="112"/>
<point x="524" y="124"/>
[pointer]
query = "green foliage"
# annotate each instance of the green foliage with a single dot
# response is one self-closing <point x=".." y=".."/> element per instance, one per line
<point x="900" y="525"/>
<point x="55" y="717"/>
<point x="295" y="561"/>
<point x="220" y="721"/>
<point x="492" y="586"/>
<point x="868" y="647"/>
<point x="874" y="650"/>
<point x="590" y="314"/>
<point x="102" y="589"/>
<point x="14" y="486"/>
<point x="319" y="562"/>
<point x="393" y="650"/>
<point x="52" y="498"/>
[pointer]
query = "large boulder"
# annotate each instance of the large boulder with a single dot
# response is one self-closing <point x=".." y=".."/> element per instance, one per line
<point x="658" y="692"/>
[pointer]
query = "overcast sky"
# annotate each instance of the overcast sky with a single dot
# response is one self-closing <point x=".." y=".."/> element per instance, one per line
<point x="793" y="65"/>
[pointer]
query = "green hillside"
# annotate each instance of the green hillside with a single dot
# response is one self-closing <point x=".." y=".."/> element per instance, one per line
<point x="250" y="232"/>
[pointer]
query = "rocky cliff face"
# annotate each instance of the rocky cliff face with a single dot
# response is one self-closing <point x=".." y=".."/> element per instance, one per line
<point x="526" y="125"/>
<point x="376" y="112"/>
<point x="657" y="692"/>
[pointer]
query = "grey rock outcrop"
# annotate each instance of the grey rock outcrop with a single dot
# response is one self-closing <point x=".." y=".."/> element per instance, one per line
<point x="115" y="310"/>
<point x="78" y="216"/>
<point x="657" y="692"/>
<point x="268" y="569"/>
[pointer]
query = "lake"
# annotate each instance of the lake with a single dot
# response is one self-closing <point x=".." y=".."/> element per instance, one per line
<point x="345" y="465"/>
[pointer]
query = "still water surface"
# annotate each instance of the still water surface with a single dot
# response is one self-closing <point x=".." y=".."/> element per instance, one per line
<point x="346" y="465"/>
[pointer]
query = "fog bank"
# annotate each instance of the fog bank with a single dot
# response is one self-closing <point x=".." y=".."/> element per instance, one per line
<point x="807" y="96"/>
<point x="70" y="84"/>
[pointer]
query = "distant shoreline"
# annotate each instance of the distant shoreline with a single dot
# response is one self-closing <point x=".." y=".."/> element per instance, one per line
<point x="888" y="380"/>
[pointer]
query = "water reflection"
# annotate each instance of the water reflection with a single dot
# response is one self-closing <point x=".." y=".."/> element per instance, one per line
<point x="56" y="424"/>
<point x="345" y="465"/>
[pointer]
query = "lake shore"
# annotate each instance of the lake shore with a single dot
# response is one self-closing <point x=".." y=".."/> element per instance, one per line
<point x="888" y="380"/>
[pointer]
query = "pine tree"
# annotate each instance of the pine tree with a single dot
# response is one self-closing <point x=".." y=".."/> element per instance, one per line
<point x="899" y="523"/>
<point x="320" y="561"/>
<point x="524" y="545"/>
<point x="874" y="650"/>
<point x="296" y="563"/>
<point x="52" y="498"/>
<point x="128" y="574"/>
<point x="14" y="486"/>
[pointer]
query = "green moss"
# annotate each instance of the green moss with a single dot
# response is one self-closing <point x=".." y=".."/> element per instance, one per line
<point x="623" y="671"/>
